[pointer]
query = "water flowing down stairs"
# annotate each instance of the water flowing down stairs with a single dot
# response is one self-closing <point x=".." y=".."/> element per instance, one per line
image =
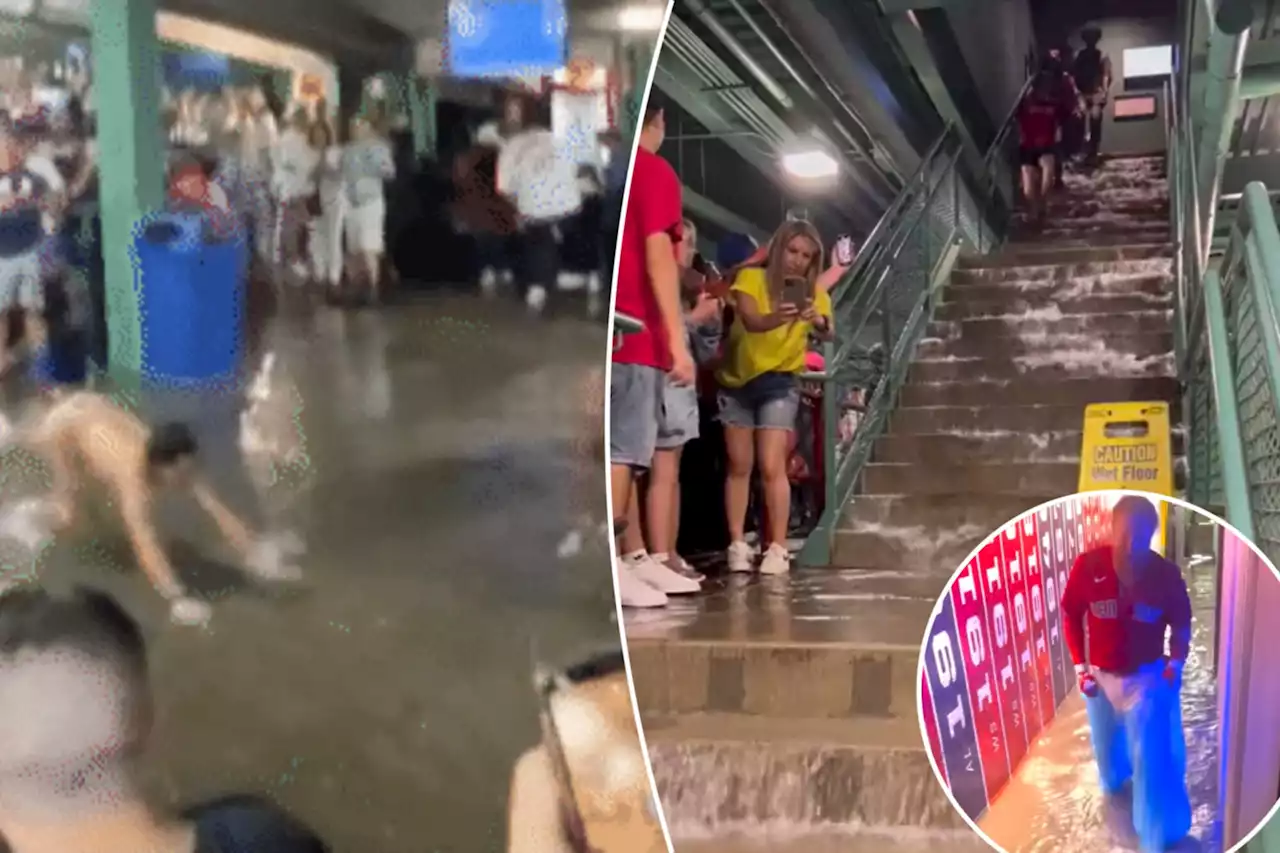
<point x="792" y="702"/>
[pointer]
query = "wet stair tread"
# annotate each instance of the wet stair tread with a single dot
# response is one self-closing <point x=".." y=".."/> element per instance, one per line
<point x="889" y="733"/>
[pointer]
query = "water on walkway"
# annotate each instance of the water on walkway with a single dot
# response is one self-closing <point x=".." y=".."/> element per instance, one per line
<point x="432" y="456"/>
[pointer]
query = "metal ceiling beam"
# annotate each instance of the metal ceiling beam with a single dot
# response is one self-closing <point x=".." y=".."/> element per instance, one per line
<point x="702" y="89"/>
<point x="343" y="33"/>
<point x="819" y="38"/>
<point x="704" y="208"/>
<point x="916" y="49"/>
<point x="883" y="194"/>
<point x="893" y="7"/>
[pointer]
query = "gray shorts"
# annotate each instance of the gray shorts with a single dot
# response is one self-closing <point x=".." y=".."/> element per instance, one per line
<point x="635" y="410"/>
<point x="770" y="401"/>
<point x="20" y="282"/>
<point x="678" y="420"/>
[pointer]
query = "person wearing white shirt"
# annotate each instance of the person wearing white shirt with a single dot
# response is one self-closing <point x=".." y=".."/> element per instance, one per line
<point x="295" y="167"/>
<point x="258" y="136"/>
<point x="366" y="164"/>
<point x="325" y="244"/>
<point x="536" y="172"/>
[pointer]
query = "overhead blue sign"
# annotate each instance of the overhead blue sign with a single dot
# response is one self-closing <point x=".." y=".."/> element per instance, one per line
<point x="505" y="38"/>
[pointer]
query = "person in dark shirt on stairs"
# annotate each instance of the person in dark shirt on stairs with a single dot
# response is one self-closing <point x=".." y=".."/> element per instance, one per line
<point x="75" y="714"/>
<point x="1092" y="73"/>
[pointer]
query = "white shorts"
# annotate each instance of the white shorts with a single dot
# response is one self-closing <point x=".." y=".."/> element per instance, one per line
<point x="20" y="282"/>
<point x="363" y="227"/>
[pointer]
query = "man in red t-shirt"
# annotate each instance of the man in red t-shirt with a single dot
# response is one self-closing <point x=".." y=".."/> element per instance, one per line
<point x="1119" y="603"/>
<point x="648" y="289"/>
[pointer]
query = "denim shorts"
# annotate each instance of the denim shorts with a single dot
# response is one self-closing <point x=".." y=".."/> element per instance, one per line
<point x="770" y="401"/>
<point x="635" y="410"/>
<point x="678" y="420"/>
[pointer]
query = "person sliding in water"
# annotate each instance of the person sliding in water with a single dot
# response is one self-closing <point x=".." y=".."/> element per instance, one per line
<point x="87" y="433"/>
<point x="1119" y="602"/>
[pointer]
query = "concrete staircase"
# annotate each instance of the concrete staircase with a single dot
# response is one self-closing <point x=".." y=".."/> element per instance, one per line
<point x="793" y="701"/>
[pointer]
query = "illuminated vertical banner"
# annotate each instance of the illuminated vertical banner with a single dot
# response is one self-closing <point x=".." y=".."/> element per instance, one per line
<point x="1053" y="578"/>
<point x="980" y="675"/>
<point x="1004" y="658"/>
<point x="1039" y="617"/>
<point x="1015" y="581"/>
<point x="931" y="727"/>
<point x="947" y="684"/>
<point x="1081" y="544"/>
<point x="1065" y="560"/>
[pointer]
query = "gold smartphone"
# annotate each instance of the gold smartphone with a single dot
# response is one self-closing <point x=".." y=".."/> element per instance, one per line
<point x="590" y="733"/>
<point x="795" y="291"/>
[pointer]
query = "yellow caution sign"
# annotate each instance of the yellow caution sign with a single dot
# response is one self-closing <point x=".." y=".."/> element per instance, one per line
<point x="1129" y="446"/>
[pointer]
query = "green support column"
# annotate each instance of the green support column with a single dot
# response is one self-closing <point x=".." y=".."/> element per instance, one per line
<point x="131" y="155"/>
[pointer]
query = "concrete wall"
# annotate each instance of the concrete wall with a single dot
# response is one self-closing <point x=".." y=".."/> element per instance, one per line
<point x="995" y="45"/>
<point x="1136" y="23"/>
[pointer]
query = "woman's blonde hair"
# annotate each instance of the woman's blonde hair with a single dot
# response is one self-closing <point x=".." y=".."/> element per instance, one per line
<point x="774" y="265"/>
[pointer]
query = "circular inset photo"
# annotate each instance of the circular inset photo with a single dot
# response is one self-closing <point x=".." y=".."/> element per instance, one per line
<point x="1101" y="675"/>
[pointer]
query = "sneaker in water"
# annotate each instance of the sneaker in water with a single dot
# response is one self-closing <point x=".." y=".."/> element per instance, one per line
<point x="677" y="564"/>
<point x="633" y="592"/>
<point x="741" y="557"/>
<point x="777" y="560"/>
<point x="536" y="298"/>
<point x="660" y="577"/>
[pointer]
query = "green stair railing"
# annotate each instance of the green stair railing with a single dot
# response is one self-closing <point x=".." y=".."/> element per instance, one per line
<point x="884" y="304"/>
<point x="1227" y="336"/>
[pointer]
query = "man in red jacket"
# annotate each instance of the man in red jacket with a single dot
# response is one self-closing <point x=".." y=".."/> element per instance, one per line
<point x="1120" y="601"/>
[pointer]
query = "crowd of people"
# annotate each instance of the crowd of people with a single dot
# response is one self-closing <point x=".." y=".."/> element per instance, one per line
<point x="312" y="201"/>
<point x="542" y="221"/>
<point x="737" y="342"/>
<point x="1060" y="118"/>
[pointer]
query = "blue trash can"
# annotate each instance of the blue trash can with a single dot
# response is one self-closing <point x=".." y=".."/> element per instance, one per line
<point x="191" y="294"/>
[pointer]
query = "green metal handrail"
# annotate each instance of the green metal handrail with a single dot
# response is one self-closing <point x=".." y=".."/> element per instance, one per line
<point x="1227" y="325"/>
<point x="885" y="303"/>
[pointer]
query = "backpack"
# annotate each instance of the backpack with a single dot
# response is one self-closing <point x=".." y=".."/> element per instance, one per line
<point x="1088" y="70"/>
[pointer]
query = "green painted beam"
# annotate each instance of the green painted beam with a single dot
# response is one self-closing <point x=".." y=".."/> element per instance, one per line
<point x="703" y="207"/>
<point x="126" y="71"/>
<point x="1216" y="113"/>
<point x="916" y="49"/>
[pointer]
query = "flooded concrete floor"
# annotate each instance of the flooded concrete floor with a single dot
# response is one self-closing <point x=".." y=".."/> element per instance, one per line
<point x="1053" y="803"/>
<point x="432" y="456"/>
<point x="860" y="607"/>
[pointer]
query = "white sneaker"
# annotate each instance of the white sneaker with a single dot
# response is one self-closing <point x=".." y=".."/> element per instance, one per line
<point x="741" y="557"/>
<point x="488" y="281"/>
<point x="777" y="560"/>
<point x="633" y="592"/>
<point x="536" y="298"/>
<point x="660" y="577"/>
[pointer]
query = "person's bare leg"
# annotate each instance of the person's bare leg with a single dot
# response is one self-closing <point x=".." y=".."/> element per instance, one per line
<point x="621" y="485"/>
<point x="633" y="537"/>
<point x="1048" y="165"/>
<point x="740" y="447"/>
<point x="373" y="269"/>
<point x="771" y="458"/>
<point x="662" y="499"/>
<point x="1030" y="190"/>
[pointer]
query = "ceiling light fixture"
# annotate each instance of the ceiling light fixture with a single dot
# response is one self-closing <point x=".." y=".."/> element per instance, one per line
<point x="810" y="164"/>
<point x="641" y="18"/>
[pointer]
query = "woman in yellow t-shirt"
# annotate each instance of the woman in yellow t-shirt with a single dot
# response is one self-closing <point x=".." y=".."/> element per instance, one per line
<point x="759" y="394"/>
